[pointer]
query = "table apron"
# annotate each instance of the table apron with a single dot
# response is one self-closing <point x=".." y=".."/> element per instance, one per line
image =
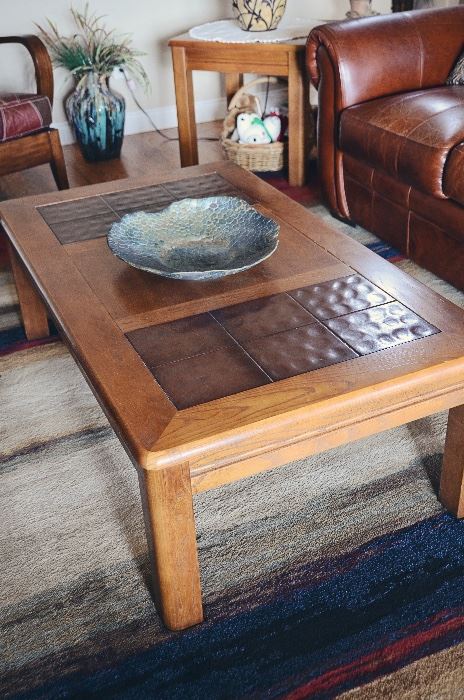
<point x="228" y="66"/>
<point x="205" y="477"/>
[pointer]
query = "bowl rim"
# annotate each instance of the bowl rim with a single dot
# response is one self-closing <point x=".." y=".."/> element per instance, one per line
<point x="192" y="274"/>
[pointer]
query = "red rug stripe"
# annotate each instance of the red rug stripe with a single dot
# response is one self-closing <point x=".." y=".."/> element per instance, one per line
<point x="378" y="662"/>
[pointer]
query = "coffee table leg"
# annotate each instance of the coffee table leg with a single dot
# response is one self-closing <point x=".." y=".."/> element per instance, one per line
<point x="33" y="311"/>
<point x="188" y="145"/>
<point x="170" y="527"/>
<point x="452" y="474"/>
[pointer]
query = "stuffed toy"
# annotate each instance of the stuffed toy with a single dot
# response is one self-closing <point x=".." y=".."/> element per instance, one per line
<point x="244" y="102"/>
<point x="252" y="129"/>
<point x="273" y="126"/>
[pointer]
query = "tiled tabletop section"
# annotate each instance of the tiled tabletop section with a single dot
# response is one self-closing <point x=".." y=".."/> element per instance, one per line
<point x="217" y="354"/>
<point x="91" y="217"/>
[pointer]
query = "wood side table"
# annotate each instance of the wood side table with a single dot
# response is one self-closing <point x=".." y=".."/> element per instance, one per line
<point x="280" y="59"/>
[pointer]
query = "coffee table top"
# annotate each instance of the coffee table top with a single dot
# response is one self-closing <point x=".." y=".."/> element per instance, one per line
<point x="321" y="336"/>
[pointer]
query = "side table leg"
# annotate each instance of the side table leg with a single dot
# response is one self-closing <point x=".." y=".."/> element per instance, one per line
<point x="170" y="527"/>
<point x="297" y="155"/>
<point x="188" y="144"/>
<point x="452" y="474"/>
<point x="234" y="82"/>
<point x="33" y="311"/>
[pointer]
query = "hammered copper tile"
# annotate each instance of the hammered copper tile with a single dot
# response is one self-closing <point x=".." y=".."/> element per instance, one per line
<point x="77" y="209"/>
<point x="206" y="186"/>
<point x="210" y="376"/>
<point x="263" y="316"/>
<point x="84" y="229"/>
<point x="379" y="328"/>
<point x="141" y="198"/>
<point x="300" y="350"/>
<point x="178" y="339"/>
<point x="339" y="297"/>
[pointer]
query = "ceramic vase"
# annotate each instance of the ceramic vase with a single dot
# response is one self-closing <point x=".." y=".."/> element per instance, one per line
<point x="258" y="15"/>
<point x="97" y="115"/>
<point x="360" y="8"/>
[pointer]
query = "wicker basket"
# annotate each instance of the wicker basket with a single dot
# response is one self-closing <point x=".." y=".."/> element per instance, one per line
<point x="256" y="157"/>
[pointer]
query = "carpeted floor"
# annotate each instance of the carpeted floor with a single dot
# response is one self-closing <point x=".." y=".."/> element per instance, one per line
<point x="335" y="576"/>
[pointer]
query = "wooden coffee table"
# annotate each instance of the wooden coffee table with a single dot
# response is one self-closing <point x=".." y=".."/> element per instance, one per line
<point x="206" y="383"/>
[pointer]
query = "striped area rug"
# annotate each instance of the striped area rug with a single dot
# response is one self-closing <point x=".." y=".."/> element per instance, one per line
<point x="335" y="576"/>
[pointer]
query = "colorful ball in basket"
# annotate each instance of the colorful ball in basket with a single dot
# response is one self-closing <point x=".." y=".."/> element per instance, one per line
<point x="258" y="15"/>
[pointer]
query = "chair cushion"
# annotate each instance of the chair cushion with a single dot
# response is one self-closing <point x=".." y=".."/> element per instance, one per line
<point x="408" y="136"/>
<point x="453" y="183"/>
<point x="22" y="114"/>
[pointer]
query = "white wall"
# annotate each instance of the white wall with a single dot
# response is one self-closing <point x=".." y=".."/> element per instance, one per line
<point x="151" y="23"/>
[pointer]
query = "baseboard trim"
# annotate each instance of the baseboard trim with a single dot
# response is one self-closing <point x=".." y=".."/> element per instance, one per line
<point x="166" y="117"/>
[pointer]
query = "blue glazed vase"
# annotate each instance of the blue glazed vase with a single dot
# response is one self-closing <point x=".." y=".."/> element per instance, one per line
<point x="97" y="115"/>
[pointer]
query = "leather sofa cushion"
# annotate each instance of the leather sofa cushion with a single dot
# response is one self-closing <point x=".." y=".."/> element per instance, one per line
<point x="453" y="184"/>
<point x="408" y="136"/>
<point x="23" y="114"/>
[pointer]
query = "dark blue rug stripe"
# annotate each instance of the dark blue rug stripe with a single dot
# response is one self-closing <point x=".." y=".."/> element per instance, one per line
<point x="14" y="339"/>
<point x="10" y="336"/>
<point x="387" y="590"/>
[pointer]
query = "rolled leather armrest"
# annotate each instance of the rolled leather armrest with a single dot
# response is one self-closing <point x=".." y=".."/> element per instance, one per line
<point x="389" y="54"/>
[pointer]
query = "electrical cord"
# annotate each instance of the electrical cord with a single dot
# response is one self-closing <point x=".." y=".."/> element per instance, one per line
<point x="266" y="98"/>
<point x="144" y="111"/>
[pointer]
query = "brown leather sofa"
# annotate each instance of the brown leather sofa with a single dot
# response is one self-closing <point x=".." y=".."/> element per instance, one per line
<point x="390" y="130"/>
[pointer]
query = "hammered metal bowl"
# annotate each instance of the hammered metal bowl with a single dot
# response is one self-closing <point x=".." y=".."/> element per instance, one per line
<point x="195" y="239"/>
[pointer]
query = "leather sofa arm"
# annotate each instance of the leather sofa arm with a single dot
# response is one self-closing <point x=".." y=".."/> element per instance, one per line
<point x="384" y="55"/>
<point x="41" y="59"/>
<point x="359" y="60"/>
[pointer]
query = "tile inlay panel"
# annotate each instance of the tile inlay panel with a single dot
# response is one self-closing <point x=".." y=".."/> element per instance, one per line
<point x="212" y="355"/>
<point x="261" y="317"/>
<point x="73" y="221"/>
<point x="380" y="327"/>
<point x="341" y="296"/>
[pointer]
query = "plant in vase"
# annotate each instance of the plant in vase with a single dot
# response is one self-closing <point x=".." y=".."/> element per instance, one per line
<point x="96" y="112"/>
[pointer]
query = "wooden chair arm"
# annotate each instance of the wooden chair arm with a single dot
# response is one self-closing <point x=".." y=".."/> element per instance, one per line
<point x="40" y="58"/>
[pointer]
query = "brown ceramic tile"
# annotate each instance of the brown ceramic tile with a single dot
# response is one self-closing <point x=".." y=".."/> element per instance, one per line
<point x="379" y="328"/>
<point x="178" y="339"/>
<point x="206" y="186"/>
<point x="210" y="376"/>
<point x="149" y="209"/>
<point x="341" y="296"/>
<point x="77" y="209"/>
<point x="140" y="198"/>
<point x="263" y="316"/>
<point x="83" y="229"/>
<point x="300" y="350"/>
